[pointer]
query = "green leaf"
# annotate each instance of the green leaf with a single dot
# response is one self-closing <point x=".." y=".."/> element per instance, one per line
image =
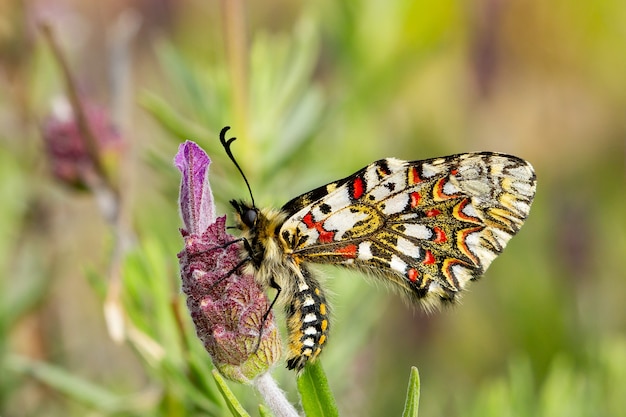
<point x="412" y="402"/>
<point x="264" y="411"/>
<point x="171" y="121"/>
<point x="317" y="398"/>
<point x="233" y="403"/>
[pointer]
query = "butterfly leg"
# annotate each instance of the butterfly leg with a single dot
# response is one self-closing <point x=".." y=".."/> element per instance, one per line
<point x="239" y="265"/>
<point x="278" y="289"/>
<point x="307" y="321"/>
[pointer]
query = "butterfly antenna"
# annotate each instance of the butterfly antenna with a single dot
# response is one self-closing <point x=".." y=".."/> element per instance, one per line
<point x="226" y="144"/>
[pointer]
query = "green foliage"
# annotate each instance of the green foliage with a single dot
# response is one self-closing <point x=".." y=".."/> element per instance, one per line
<point x="569" y="389"/>
<point x="79" y="389"/>
<point x="412" y="403"/>
<point x="231" y="401"/>
<point x="315" y="394"/>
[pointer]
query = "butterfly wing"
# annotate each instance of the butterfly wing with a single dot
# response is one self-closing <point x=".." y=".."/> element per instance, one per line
<point x="428" y="227"/>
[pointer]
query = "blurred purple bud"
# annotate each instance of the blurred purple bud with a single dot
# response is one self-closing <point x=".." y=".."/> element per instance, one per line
<point x="227" y="307"/>
<point x="66" y="147"/>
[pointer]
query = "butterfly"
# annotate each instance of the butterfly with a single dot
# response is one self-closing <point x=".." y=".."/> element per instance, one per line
<point x="427" y="228"/>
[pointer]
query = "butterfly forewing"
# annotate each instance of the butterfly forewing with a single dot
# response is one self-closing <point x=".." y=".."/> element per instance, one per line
<point x="427" y="226"/>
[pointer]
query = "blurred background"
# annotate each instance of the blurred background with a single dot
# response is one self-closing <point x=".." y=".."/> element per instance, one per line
<point x="92" y="321"/>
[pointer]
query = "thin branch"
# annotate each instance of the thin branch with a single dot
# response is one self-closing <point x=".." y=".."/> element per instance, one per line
<point x="91" y="143"/>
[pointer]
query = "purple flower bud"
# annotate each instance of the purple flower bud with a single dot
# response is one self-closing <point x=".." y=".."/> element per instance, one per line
<point x="226" y="306"/>
<point x="66" y="147"/>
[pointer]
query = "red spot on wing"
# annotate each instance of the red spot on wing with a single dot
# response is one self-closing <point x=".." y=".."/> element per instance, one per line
<point x="429" y="258"/>
<point x="412" y="274"/>
<point x="433" y="213"/>
<point x="414" y="176"/>
<point x="454" y="171"/>
<point x="440" y="235"/>
<point x="415" y="199"/>
<point x="325" y="236"/>
<point x="357" y="188"/>
<point x="349" y="251"/>
<point x="308" y="220"/>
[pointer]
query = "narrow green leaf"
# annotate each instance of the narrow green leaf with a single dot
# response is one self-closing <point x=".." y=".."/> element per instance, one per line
<point x="412" y="402"/>
<point x="317" y="398"/>
<point x="171" y="121"/>
<point x="233" y="403"/>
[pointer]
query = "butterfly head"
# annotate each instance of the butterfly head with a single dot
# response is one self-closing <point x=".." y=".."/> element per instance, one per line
<point x="247" y="214"/>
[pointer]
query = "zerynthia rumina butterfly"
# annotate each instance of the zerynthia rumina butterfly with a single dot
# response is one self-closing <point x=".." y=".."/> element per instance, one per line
<point x="426" y="227"/>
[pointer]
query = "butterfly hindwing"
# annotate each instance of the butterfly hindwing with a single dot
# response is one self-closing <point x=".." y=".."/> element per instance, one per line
<point x="427" y="226"/>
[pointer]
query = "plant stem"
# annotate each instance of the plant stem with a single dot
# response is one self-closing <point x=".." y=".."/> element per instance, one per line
<point x="274" y="397"/>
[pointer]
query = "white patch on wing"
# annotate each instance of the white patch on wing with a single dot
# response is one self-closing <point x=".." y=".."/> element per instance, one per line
<point x="365" y="251"/>
<point x="435" y="288"/>
<point x="371" y="177"/>
<point x="450" y="189"/>
<point x="462" y="274"/>
<point x="523" y="172"/>
<point x="338" y="199"/>
<point x="418" y="231"/>
<point x="395" y="165"/>
<point x="407" y="247"/>
<point x="408" y="216"/>
<point x="392" y="184"/>
<point x="342" y="221"/>
<point x="470" y="210"/>
<point x="521" y="207"/>
<point x="397" y="264"/>
<point x="484" y="255"/>
<point x="501" y="236"/>
<point x="396" y="204"/>
<point x="430" y="170"/>
<point x="524" y="188"/>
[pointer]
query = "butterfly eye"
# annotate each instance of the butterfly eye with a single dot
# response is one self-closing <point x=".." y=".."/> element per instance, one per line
<point x="249" y="217"/>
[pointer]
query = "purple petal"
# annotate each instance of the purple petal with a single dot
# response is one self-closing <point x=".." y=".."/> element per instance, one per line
<point x="196" y="199"/>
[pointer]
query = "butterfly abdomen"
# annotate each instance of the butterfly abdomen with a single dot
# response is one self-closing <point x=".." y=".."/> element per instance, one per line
<point x="307" y="321"/>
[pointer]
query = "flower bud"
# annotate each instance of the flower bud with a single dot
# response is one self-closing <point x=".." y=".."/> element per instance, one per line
<point x="66" y="146"/>
<point x="226" y="306"/>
